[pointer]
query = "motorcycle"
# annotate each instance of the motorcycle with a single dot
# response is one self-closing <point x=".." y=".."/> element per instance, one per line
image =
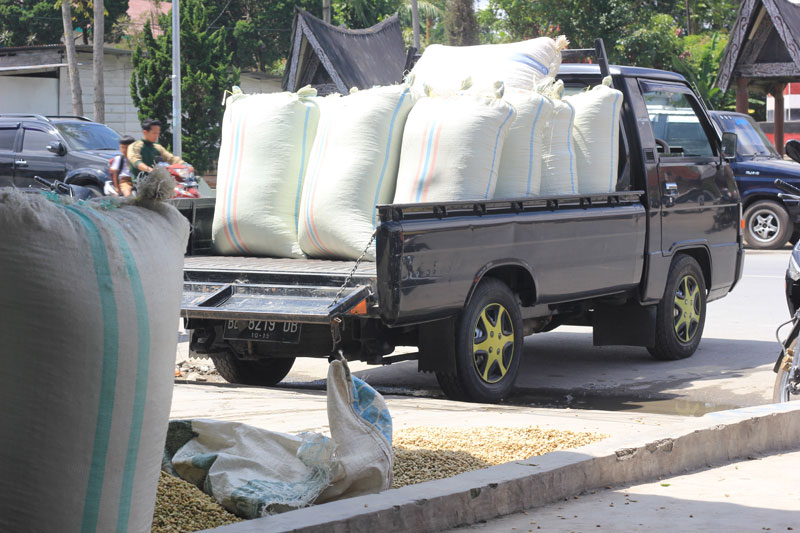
<point x="186" y="185"/>
<point x="64" y="189"/>
<point x="787" y="367"/>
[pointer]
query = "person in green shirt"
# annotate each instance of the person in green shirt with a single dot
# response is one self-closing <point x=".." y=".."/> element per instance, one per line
<point x="142" y="154"/>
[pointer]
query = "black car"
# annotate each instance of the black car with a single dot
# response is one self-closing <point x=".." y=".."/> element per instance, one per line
<point x="72" y="149"/>
<point x="770" y="221"/>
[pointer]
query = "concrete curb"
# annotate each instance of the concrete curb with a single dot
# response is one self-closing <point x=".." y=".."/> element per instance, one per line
<point x="512" y="487"/>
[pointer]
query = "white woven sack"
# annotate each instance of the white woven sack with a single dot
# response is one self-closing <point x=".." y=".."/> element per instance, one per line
<point x="353" y="167"/>
<point x="91" y="292"/>
<point x="518" y="65"/>
<point x="452" y="147"/>
<point x="266" y="140"/>
<point x="596" y="136"/>
<point x="520" y="173"/>
<point x="559" y="164"/>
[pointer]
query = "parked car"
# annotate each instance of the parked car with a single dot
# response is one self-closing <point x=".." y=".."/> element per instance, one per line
<point x="74" y="150"/>
<point x="770" y="221"/>
<point x="456" y="279"/>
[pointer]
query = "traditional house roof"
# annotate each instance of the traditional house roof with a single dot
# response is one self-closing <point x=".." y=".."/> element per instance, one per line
<point x="764" y="43"/>
<point x="337" y="59"/>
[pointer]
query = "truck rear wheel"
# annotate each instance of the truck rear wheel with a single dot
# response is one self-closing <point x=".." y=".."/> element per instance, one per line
<point x="682" y="311"/>
<point x="263" y="372"/>
<point x="488" y="341"/>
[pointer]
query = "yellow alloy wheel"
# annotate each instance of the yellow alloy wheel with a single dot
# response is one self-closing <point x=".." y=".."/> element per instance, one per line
<point x="686" y="312"/>
<point x="493" y="343"/>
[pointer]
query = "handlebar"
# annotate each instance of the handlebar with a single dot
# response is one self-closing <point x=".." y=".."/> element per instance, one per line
<point x="787" y="187"/>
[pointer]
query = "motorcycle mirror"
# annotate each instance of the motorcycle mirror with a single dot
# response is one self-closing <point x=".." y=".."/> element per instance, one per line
<point x="792" y="149"/>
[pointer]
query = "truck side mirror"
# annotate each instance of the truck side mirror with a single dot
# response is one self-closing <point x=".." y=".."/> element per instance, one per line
<point x="57" y="148"/>
<point x="730" y="143"/>
<point x="792" y="149"/>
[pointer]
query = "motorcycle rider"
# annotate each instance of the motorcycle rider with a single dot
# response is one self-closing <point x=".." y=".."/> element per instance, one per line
<point x="120" y="170"/>
<point x="143" y="153"/>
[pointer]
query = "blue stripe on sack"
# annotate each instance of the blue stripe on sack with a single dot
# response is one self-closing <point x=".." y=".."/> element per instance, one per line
<point x="494" y="154"/>
<point x="386" y="156"/>
<point x="310" y="228"/>
<point x="529" y="61"/>
<point x="425" y="165"/>
<point x="611" y="186"/>
<point x="569" y="146"/>
<point x="530" y="148"/>
<point x="108" y="373"/>
<point x="302" y="170"/>
<point x="232" y="178"/>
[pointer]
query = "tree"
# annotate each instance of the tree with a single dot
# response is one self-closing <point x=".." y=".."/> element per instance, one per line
<point x="657" y="44"/>
<point x="363" y="13"/>
<point x="98" y="34"/>
<point x="206" y="73"/>
<point x="72" y="60"/>
<point x="460" y="23"/>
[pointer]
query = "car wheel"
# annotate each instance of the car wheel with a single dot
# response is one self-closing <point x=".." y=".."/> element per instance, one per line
<point x="263" y="372"/>
<point x="489" y="340"/>
<point x="767" y="225"/>
<point x="681" y="313"/>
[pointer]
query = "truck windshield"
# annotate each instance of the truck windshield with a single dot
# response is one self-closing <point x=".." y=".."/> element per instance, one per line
<point x="89" y="136"/>
<point x="753" y="144"/>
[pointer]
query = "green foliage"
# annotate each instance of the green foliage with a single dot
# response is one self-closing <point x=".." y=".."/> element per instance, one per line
<point x="205" y="75"/>
<point x="461" y="26"/>
<point x="699" y="63"/>
<point x="363" y="13"/>
<point x="32" y="22"/>
<point x="657" y="44"/>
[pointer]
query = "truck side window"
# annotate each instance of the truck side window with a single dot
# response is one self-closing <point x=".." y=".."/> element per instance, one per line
<point x="676" y="126"/>
<point x="7" y="136"/>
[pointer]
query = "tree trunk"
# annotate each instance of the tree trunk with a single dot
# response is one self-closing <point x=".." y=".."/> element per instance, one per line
<point x="326" y="10"/>
<point x="688" y="19"/>
<point x="415" y="22"/>
<point x="97" y="62"/>
<point x="460" y="25"/>
<point x="428" y="26"/>
<point x="72" y="59"/>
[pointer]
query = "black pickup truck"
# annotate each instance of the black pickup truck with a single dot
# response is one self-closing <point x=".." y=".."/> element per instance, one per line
<point x="466" y="282"/>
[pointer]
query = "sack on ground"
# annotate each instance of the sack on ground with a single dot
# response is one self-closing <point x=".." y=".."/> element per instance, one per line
<point x="266" y="140"/>
<point x="452" y="147"/>
<point x="559" y="164"/>
<point x="520" y="173"/>
<point x="91" y="292"/>
<point x="254" y="472"/>
<point x="353" y="167"/>
<point x="596" y="135"/>
<point x="518" y="65"/>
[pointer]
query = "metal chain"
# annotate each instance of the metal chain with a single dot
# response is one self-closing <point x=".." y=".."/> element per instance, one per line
<point x="349" y="277"/>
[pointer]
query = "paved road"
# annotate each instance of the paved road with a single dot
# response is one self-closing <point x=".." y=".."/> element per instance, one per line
<point x="731" y="368"/>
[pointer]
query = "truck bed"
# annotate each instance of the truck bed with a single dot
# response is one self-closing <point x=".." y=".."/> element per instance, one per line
<point x="271" y="265"/>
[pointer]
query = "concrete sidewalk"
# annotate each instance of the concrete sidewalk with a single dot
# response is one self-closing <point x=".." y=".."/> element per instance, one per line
<point x="757" y="494"/>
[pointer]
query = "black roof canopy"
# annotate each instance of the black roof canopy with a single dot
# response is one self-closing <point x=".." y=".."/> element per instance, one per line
<point x="764" y="44"/>
<point x="337" y="59"/>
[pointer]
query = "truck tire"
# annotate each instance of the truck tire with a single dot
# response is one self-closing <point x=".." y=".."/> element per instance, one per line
<point x="491" y="324"/>
<point x="681" y="313"/>
<point x="263" y="372"/>
<point x="767" y="225"/>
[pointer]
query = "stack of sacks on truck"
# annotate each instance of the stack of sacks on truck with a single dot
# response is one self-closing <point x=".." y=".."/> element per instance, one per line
<point x="266" y="141"/>
<point x="595" y="133"/>
<point x="452" y="146"/>
<point x="559" y="164"/>
<point x="352" y="168"/>
<point x="518" y="65"/>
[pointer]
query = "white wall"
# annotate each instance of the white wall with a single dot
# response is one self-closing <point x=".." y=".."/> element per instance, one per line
<point x="251" y="84"/>
<point x="120" y="112"/>
<point x="25" y="94"/>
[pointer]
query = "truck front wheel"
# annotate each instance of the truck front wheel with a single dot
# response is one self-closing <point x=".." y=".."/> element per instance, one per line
<point x="488" y="341"/>
<point x="681" y="313"/>
<point x="263" y="372"/>
<point x="767" y="225"/>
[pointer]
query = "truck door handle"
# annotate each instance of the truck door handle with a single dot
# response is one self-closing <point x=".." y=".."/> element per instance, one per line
<point x="670" y="193"/>
<point x="20" y="163"/>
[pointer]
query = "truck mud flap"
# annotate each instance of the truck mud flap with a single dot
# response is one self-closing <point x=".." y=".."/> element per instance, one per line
<point x="279" y="303"/>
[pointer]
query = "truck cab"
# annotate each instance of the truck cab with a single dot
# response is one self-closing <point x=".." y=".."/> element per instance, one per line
<point x="770" y="221"/>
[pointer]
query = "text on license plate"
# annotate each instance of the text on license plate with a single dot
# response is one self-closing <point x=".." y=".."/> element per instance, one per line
<point x="262" y="330"/>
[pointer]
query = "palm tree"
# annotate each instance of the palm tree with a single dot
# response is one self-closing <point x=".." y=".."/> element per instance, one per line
<point x="429" y="10"/>
<point x="72" y="58"/>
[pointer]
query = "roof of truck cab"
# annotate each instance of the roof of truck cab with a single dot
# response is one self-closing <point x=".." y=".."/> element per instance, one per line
<point x="616" y="70"/>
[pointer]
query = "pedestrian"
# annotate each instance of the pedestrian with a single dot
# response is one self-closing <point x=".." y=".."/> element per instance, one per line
<point x="120" y="170"/>
<point x="143" y="153"/>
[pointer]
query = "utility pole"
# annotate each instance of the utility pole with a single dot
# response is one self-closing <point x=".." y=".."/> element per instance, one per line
<point x="176" y="78"/>
<point x="98" y="31"/>
<point x="415" y="22"/>
<point x="326" y="11"/>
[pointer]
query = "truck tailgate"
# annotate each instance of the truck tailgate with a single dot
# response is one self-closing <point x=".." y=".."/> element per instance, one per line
<point x="256" y="288"/>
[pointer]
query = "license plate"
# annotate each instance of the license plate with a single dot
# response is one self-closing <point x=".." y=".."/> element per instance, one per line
<point x="262" y="330"/>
